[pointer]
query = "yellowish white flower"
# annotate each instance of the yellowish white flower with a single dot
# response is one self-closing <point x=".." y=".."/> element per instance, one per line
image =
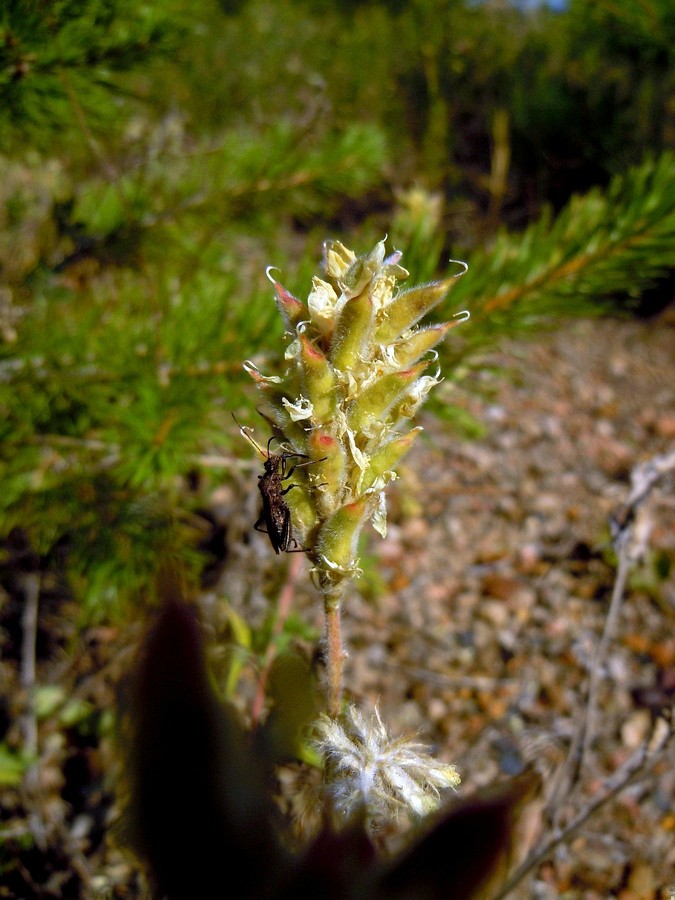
<point x="355" y="371"/>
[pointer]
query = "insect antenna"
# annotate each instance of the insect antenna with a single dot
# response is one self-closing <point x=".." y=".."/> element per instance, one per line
<point x="244" y="431"/>
<point x="277" y="431"/>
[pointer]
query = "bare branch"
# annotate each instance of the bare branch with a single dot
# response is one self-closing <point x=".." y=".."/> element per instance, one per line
<point x="631" y="526"/>
<point x="645" y="756"/>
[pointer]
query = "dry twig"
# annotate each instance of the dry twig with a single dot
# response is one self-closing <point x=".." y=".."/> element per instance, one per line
<point x="631" y="527"/>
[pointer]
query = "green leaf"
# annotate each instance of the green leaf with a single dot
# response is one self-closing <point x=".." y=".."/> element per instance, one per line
<point x="12" y="767"/>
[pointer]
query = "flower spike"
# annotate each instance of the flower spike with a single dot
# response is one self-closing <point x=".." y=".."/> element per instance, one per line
<point x="354" y="378"/>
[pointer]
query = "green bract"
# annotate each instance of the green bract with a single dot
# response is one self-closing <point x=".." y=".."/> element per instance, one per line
<point x="354" y="378"/>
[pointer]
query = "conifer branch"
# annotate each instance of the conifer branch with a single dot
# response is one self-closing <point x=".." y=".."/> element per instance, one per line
<point x="603" y="244"/>
<point x="85" y="41"/>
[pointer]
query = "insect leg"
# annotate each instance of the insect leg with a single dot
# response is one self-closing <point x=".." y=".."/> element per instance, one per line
<point x="261" y="521"/>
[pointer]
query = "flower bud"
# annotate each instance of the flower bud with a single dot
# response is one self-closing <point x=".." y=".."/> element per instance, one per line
<point x="328" y="469"/>
<point x="408" y="307"/>
<point x="300" y="501"/>
<point x="339" y="534"/>
<point x="362" y="271"/>
<point x="409" y="351"/>
<point x="374" y="402"/>
<point x="319" y="380"/>
<point x="386" y="458"/>
<point x="353" y="329"/>
<point x="410" y="402"/>
<point x="292" y="310"/>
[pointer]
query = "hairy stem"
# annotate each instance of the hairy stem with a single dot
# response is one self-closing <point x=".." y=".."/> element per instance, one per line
<point x="334" y="655"/>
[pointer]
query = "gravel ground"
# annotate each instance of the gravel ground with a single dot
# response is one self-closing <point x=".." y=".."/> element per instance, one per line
<point x="478" y="617"/>
<point x="499" y="572"/>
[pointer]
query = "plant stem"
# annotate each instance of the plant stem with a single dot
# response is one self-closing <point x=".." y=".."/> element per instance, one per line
<point x="334" y="655"/>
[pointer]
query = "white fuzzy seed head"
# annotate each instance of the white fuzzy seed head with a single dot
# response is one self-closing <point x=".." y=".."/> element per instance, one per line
<point x="384" y="776"/>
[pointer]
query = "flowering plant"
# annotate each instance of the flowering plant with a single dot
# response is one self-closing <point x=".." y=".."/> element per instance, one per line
<point x="357" y="371"/>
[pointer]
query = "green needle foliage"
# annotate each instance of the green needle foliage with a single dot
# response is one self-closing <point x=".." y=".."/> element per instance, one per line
<point x="51" y="54"/>
<point x="602" y="247"/>
<point x="188" y="194"/>
<point x="106" y="407"/>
